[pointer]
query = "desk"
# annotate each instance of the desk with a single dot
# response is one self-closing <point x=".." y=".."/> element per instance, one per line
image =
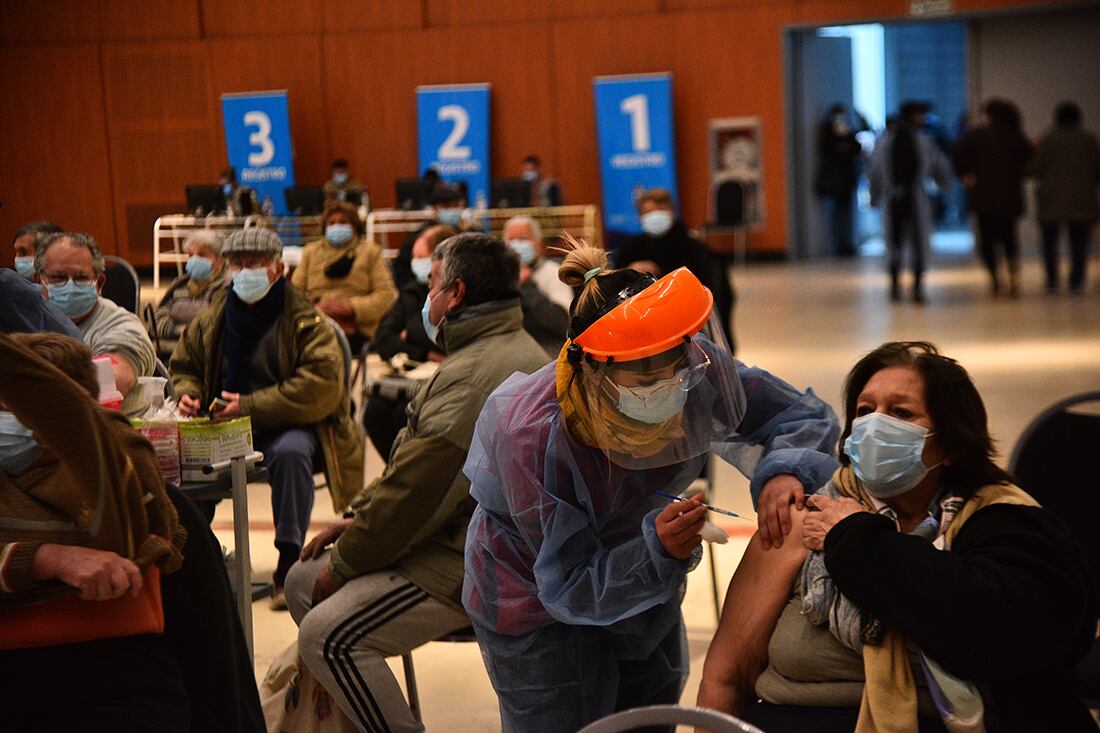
<point x="232" y="481"/>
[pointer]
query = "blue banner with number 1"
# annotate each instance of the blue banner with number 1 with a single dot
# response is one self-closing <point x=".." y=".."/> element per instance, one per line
<point x="257" y="139"/>
<point x="637" y="147"/>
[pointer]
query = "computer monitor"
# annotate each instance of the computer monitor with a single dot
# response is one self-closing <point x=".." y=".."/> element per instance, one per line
<point x="304" y="200"/>
<point x="355" y="198"/>
<point x="205" y="199"/>
<point x="412" y="193"/>
<point x="510" y="193"/>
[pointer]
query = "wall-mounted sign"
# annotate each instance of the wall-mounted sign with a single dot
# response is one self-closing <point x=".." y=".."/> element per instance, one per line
<point x="257" y="139"/>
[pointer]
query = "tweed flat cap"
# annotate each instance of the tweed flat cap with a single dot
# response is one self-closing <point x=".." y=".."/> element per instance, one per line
<point x="253" y="240"/>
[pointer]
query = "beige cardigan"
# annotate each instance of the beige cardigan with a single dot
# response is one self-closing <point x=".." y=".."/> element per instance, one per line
<point x="369" y="285"/>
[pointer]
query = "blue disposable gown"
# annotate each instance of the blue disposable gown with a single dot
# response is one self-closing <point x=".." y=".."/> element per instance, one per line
<point x="563" y="534"/>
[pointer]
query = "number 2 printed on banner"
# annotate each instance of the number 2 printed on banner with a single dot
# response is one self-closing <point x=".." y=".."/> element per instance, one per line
<point x="260" y="138"/>
<point x="637" y="106"/>
<point x="450" y="149"/>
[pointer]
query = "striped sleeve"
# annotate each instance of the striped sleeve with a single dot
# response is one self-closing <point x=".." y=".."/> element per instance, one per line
<point x="15" y="566"/>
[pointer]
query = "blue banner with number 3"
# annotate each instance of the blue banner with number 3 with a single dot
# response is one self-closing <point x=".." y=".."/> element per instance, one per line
<point x="257" y="139"/>
<point x="637" y="146"/>
<point x="453" y="135"/>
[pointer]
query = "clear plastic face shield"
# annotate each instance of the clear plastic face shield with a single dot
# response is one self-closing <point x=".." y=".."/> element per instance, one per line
<point x="666" y="407"/>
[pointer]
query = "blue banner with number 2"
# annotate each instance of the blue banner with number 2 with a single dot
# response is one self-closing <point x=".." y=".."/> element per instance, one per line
<point x="637" y="147"/>
<point x="257" y="138"/>
<point x="453" y="135"/>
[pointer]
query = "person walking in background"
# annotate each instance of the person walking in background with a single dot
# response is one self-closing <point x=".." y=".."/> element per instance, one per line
<point x="991" y="160"/>
<point x="902" y="161"/>
<point x="1067" y="170"/>
<point x="838" y="156"/>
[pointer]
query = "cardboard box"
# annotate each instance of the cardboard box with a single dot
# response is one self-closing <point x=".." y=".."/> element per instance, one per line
<point x="203" y="442"/>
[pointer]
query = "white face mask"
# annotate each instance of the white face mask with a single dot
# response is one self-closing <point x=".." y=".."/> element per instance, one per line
<point x="655" y="403"/>
<point x="422" y="268"/>
<point x="657" y="223"/>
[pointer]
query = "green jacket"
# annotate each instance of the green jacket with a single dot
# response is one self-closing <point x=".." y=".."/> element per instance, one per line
<point x="311" y="390"/>
<point x="413" y="518"/>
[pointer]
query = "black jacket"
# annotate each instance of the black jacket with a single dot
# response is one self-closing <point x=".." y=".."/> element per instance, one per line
<point x="1011" y="607"/>
<point x="405" y="316"/>
<point x="677" y="248"/>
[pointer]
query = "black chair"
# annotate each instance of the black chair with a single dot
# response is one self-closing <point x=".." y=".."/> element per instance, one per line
<point x="122" y="285"/>
<point x="1053" y="461"/>
<point x="729" y="204"/>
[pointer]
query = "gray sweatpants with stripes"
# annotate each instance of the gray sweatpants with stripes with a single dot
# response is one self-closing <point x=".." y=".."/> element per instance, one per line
<point x="344" y="640"/>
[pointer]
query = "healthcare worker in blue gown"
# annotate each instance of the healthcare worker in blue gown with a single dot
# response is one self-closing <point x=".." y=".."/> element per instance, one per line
<point x="575" y="567"/>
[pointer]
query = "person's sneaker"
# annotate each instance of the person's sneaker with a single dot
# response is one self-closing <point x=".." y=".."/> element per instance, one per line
<point x="277" y="601"/>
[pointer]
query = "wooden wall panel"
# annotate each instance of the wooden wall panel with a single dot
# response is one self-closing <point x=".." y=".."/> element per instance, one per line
<point x="49" y="21"/>
<point x="450" y="13"/>
<point x="604" y="8"/>
<point x="163" y="130"/>
<point x="288" y="62"/>
<point x="373" y="115"/>
<point x="53" y="159"/>
<point x="260" y="17"/>
<point x="147" y="20"/>
<point x="343" y="16"/>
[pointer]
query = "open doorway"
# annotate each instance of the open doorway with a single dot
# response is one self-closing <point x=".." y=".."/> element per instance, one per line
<point x="850" y="81"/>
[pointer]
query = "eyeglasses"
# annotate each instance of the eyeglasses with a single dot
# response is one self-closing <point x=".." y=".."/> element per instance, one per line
<point x="81" y="281"/>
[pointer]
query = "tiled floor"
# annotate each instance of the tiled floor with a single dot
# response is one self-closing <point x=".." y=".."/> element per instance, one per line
<point x="807" y="322"/>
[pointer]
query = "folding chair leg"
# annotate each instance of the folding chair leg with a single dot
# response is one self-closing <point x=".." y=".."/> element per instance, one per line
<point x="714" y="581"/>
<point x="410" y="685"/>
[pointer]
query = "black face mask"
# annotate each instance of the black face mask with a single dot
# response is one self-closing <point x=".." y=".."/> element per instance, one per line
<point x="340" y="268"/>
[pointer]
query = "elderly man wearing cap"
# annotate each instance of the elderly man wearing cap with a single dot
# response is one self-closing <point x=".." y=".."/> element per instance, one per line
<point x="264" y="351"/>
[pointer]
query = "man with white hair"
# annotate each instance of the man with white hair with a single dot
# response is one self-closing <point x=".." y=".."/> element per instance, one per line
<point x="524" y="235"/>
<point x="70" y="267"/>
<point x="546" y="303"/>
<point x="192" y="291"/>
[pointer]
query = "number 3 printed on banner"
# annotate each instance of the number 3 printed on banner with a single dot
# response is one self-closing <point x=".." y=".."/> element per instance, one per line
<point x="450" y="149"/>
<point x="261" y="138"/>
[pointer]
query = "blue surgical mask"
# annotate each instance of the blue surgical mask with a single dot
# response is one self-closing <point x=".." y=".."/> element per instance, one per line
<point x="886" y="454"/>
<point x="451" y="217"/>
<point x="525" y="248"/>
<point x="18" y="448"/>
<point x="338" y="234"/>
<point x="530" y="175"/>
<point x="422" y="268"/>
<point x="655" y="403"/>
<point x="429" y="328"/>
<point x="251" y="284"/>
<point x="657" y="223"/>
<point x="227" y="188"/>
<point x="25" y="266"/>
<point x="75" y="300"/>
<point x="199" y="268"/>
<point x="339" y="178"/>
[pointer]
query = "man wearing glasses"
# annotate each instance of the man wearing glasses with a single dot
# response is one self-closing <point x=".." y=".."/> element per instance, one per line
<point x="70" y="266"/>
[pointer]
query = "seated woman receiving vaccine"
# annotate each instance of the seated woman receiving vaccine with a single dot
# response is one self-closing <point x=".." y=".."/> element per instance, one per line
<point x="923" y="590"/>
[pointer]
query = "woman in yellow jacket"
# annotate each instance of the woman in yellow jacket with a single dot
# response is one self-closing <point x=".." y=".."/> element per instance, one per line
<point x="345" y="275"/>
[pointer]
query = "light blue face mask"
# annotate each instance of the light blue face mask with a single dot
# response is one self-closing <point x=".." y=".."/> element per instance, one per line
<point x="657" y="223"/>
<point x="199" y="268"/>
<point x="18" y="448"/>
<point x="530" y="175"/>
<point x="227" y="188"/>
<point x="525" y="248"/>
<point x="251" y="284"/>
<point x="451" y="217"/>
<point x="75" y="300"/>
<point x="886" y="454"/>
<point x="339" y="178"/>
<point x="25" y="266"/>
<point x="430" y="328"/>
<point x="338" y="234"/>
<point x="422" y="268"/>
<point x="655" y="403"/>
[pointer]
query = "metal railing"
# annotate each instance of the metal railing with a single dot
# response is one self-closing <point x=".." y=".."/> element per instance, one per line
<point x="580" y="220"/>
